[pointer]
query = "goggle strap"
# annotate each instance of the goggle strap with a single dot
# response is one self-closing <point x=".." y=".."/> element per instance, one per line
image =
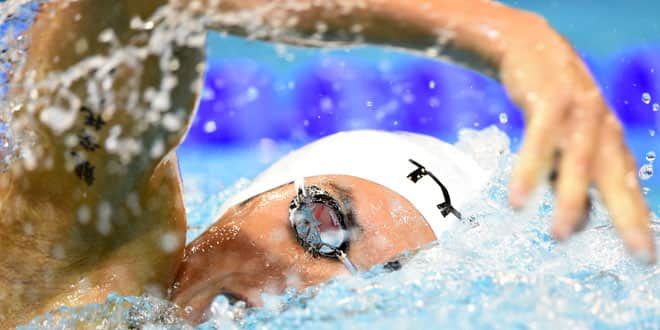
<point x="445" y="207"/>
<point x="347" y="262"/>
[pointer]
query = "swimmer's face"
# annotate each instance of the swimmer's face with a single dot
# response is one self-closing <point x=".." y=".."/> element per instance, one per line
<point x="252" y="249"/>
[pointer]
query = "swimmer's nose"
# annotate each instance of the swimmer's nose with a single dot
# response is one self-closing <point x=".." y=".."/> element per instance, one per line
<point x="215" y="265"/>
<point x="198" y="283"/>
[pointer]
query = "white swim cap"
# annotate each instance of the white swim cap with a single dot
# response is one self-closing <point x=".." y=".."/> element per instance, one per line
<point x="393" y="160"/>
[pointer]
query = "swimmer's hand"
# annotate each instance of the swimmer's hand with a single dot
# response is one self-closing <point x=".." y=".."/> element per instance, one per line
<point x="567" y="115"/>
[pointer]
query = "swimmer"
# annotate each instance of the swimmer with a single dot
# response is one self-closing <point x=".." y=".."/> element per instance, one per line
<point x="81" y="220"/>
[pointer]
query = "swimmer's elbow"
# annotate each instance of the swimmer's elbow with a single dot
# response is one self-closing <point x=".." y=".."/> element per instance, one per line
<point x="533" y="21"/>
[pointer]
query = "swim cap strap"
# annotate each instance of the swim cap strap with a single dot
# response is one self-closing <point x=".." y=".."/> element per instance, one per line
<point x="445" y="207"/>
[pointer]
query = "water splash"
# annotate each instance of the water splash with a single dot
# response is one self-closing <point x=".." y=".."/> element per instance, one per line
<point x="646" y="98"/>
<point x="116" y="313"/>
<point x="503" y="118"/>
<point x="646" y="171"/>
<point x="6" y="147"/>
<point x="299" y="187"/>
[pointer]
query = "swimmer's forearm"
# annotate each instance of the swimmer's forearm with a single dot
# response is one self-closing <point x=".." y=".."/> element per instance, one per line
<point x="471" y="31"/>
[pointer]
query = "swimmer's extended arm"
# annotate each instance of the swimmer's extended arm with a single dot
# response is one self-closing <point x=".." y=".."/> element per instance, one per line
<point x="471" y="32"/>
<point x="565" y="111"/>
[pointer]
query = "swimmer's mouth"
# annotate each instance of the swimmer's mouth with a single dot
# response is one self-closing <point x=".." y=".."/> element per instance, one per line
<point x="196" y="301"/>
<point x="233" y="300"/>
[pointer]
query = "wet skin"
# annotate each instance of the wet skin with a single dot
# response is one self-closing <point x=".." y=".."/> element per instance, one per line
<point x="252" y="248"/>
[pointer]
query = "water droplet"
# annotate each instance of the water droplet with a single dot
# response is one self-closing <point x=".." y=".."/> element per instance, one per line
<point x="58" y="252"/>
<point x="106" y="36"/>
<point x="157" y="149"/>
<point x="28" y="229"/>
<point x="171" y="122"/>
<point x="408" y="98"/>
<point x="432" y="52"/>
<point x="81" y="46"/>
<point x="650" y="156"/>
<point x="646" y="171"/>
<point x="210" y="126"/>
<point x="504" y="118"/>
<point x="208" y="94"/>
<point x="646" y="190"/>
<point x="656" y="107"/>
<point x="104" y="224"/>
<point x="652" y="132"/>
<point x="432" y="84"/>
<point x="149" y="25"/>
<point x="252" y="93"/>
<point x="5" y="147"/>
<point x="646" y="98"/>
<point x="299" y="185"/>
<point x="84" y="214"/>
<point x="169" y="242"/>
<point x="326" y="104"/>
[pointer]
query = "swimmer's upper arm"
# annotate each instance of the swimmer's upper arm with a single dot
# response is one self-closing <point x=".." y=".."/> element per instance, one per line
<point x="470" y="32"/>
<point x="93" y="107"/>
<point x="98" y="188"/>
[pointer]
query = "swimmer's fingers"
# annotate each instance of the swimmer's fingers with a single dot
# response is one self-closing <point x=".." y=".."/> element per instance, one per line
<point x="574" y="167"/>
<point x="616" y="178"/>
<point x="539" y="146"/>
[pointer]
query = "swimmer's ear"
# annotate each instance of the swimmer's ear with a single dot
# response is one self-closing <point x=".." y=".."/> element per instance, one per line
<point x="97" y="108"/>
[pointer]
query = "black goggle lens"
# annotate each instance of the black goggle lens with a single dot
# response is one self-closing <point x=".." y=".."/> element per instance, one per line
<point x="318" y="222"/>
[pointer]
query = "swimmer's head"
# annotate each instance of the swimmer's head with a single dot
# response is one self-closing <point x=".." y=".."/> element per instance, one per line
<point x="386" y="192"/>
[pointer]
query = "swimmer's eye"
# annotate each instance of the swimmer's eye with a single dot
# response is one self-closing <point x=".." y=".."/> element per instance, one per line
<point x="319" y="223"/>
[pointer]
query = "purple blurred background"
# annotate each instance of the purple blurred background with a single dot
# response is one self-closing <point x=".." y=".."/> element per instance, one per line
<point x="303" y="94"/>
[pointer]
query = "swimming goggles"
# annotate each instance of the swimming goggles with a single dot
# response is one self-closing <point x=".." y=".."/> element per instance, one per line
<point x="319" y="222"/>
<point x="320" y="225"/>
